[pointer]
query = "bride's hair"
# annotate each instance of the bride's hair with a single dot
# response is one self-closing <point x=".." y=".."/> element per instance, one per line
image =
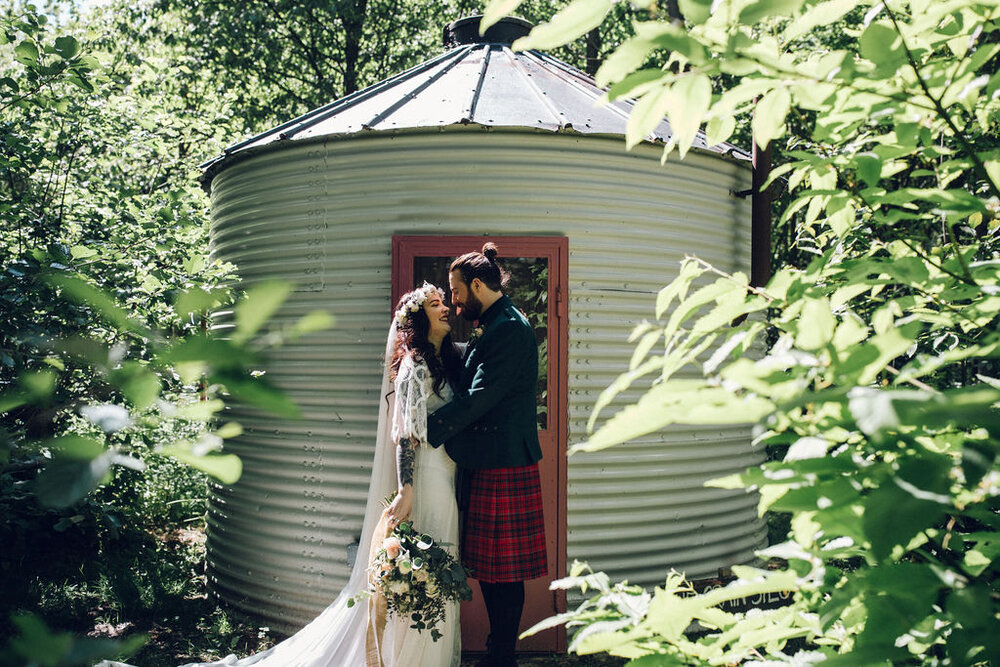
<point x="412" y="341"/>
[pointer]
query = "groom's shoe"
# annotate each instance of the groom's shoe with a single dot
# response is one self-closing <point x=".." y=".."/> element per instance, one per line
<point x="487" y="660"/>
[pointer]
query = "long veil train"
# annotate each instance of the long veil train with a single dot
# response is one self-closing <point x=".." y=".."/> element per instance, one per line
<point x="336" y="638"/>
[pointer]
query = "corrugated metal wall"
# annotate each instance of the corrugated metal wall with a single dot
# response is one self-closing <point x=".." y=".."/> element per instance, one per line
<point x="323" y="215"/>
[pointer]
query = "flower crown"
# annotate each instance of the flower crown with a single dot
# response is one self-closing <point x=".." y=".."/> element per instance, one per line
<point x="414" y="302"/>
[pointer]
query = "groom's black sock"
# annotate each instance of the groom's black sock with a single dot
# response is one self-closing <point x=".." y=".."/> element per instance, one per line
<point x="504" y="604"/>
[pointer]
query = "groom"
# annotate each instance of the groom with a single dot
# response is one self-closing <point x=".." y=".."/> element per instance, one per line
<point x="489" y="429"/>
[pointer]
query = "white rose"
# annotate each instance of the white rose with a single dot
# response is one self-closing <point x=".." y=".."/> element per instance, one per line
<point x="432" y="589"/>
<point x="420" y="575"/>
<point x="399" y="587"/>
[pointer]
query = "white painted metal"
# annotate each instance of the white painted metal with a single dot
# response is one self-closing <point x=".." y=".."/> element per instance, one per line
<point x="323" y="214"/>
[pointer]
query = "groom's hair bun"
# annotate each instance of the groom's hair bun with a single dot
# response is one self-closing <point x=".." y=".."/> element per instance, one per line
<point x="482" y="265"/>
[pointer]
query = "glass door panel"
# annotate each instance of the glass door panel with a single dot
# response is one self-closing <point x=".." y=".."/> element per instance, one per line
<point x="528" y="289"/>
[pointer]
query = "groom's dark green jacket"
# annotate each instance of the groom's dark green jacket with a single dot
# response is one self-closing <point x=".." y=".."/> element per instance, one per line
<point x="491" y="422"/>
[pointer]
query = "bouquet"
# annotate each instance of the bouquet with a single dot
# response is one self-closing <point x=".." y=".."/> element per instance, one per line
<point x="416" y="576"/>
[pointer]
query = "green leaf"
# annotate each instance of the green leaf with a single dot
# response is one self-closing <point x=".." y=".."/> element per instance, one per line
<point x="67" y="47"/>
<point x="82" y="252"/>
<point x="755" y="11"/>
<point x="913" y="499"/>
<point x="219" y="353"/>
<point x="140" y="385"/>
<point x="719" y="129"/>
<point x="824" y="13"/>
<point x="496" y="10"/>
<point x="677" y="402"/>
<point x="690" y="98"/>
<point x="769" y="116"/>
<point x="576" y="19"/>
<point x="815" y="325"/>
<point x="37" y="642"/>
<point x="317" y="320"/>
<point x="259" y="304"/>
<point x="869" y="168"/>
<point x="978" y="459"/>
<point x="677" y="288"/>
<point x="695" y="11"/>
<point x="197" y="300"/>
<point x="880" y="43"/>
<point x="86" y="294"/>
<point x="621" y="64"/>
<point x="227" y="468"/>
<point x="75" y="447"/>
<point x="26" y="52"/>
<point x="647" y="113"/>
<point x="258" y="393"/>
<point x="71" y="474"/>
<point x="637" y="83"/>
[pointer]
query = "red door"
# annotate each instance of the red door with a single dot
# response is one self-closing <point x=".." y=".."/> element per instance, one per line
<point x="538" y="286"/>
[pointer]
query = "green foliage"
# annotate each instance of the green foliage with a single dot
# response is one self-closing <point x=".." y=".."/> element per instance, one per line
<point x="108" y="377"/>
<point x="871" y="366"/>
<point x="36" y="644"/>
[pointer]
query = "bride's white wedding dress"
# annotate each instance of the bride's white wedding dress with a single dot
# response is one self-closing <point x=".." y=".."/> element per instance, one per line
<point x="434" y="512"/>
<point x="336" y="638"/>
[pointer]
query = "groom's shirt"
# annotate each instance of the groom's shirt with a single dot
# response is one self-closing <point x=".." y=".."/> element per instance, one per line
<point x="491" y="422"/>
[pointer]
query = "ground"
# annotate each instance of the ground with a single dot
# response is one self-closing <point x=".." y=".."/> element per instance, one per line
<point x="195" y="628"/>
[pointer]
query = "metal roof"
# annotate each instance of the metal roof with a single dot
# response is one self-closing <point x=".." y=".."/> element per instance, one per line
<point x="478" y="82"/>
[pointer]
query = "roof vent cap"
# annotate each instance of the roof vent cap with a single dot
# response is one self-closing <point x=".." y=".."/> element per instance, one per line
<point x="466" y="31"/>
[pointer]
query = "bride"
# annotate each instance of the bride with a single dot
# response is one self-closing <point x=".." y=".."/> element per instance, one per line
<point x="421" y="363"/>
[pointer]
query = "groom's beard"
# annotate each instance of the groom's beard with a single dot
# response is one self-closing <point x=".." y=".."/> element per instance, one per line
<point x="472" y="308"/>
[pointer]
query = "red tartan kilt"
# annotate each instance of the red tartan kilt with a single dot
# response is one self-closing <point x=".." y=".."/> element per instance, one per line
<point x="503" y="538"/>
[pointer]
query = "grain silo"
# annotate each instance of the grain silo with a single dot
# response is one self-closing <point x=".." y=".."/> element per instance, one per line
<point x="358" y="200"/>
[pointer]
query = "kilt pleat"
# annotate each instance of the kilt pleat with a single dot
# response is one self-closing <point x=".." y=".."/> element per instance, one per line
<point x="503" y="537"/>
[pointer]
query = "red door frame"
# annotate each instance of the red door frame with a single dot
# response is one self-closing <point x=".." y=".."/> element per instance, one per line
<point x="553" y="468"/>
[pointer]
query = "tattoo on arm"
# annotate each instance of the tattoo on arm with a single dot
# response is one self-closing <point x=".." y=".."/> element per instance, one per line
<point x="405" y="455"/>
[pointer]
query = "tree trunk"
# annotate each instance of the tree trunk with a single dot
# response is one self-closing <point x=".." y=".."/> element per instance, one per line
<point x="354" y="24"/>
<point x="593" y="51"/>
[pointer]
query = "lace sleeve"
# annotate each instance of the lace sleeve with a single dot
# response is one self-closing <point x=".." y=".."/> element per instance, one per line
<point x="409" y="417"/>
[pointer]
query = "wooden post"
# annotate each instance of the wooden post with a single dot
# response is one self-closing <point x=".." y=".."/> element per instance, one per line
<point x="760" y="216"/>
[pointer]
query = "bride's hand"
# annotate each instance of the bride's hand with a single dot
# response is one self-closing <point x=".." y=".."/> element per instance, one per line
<point x="401" y="507"/>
